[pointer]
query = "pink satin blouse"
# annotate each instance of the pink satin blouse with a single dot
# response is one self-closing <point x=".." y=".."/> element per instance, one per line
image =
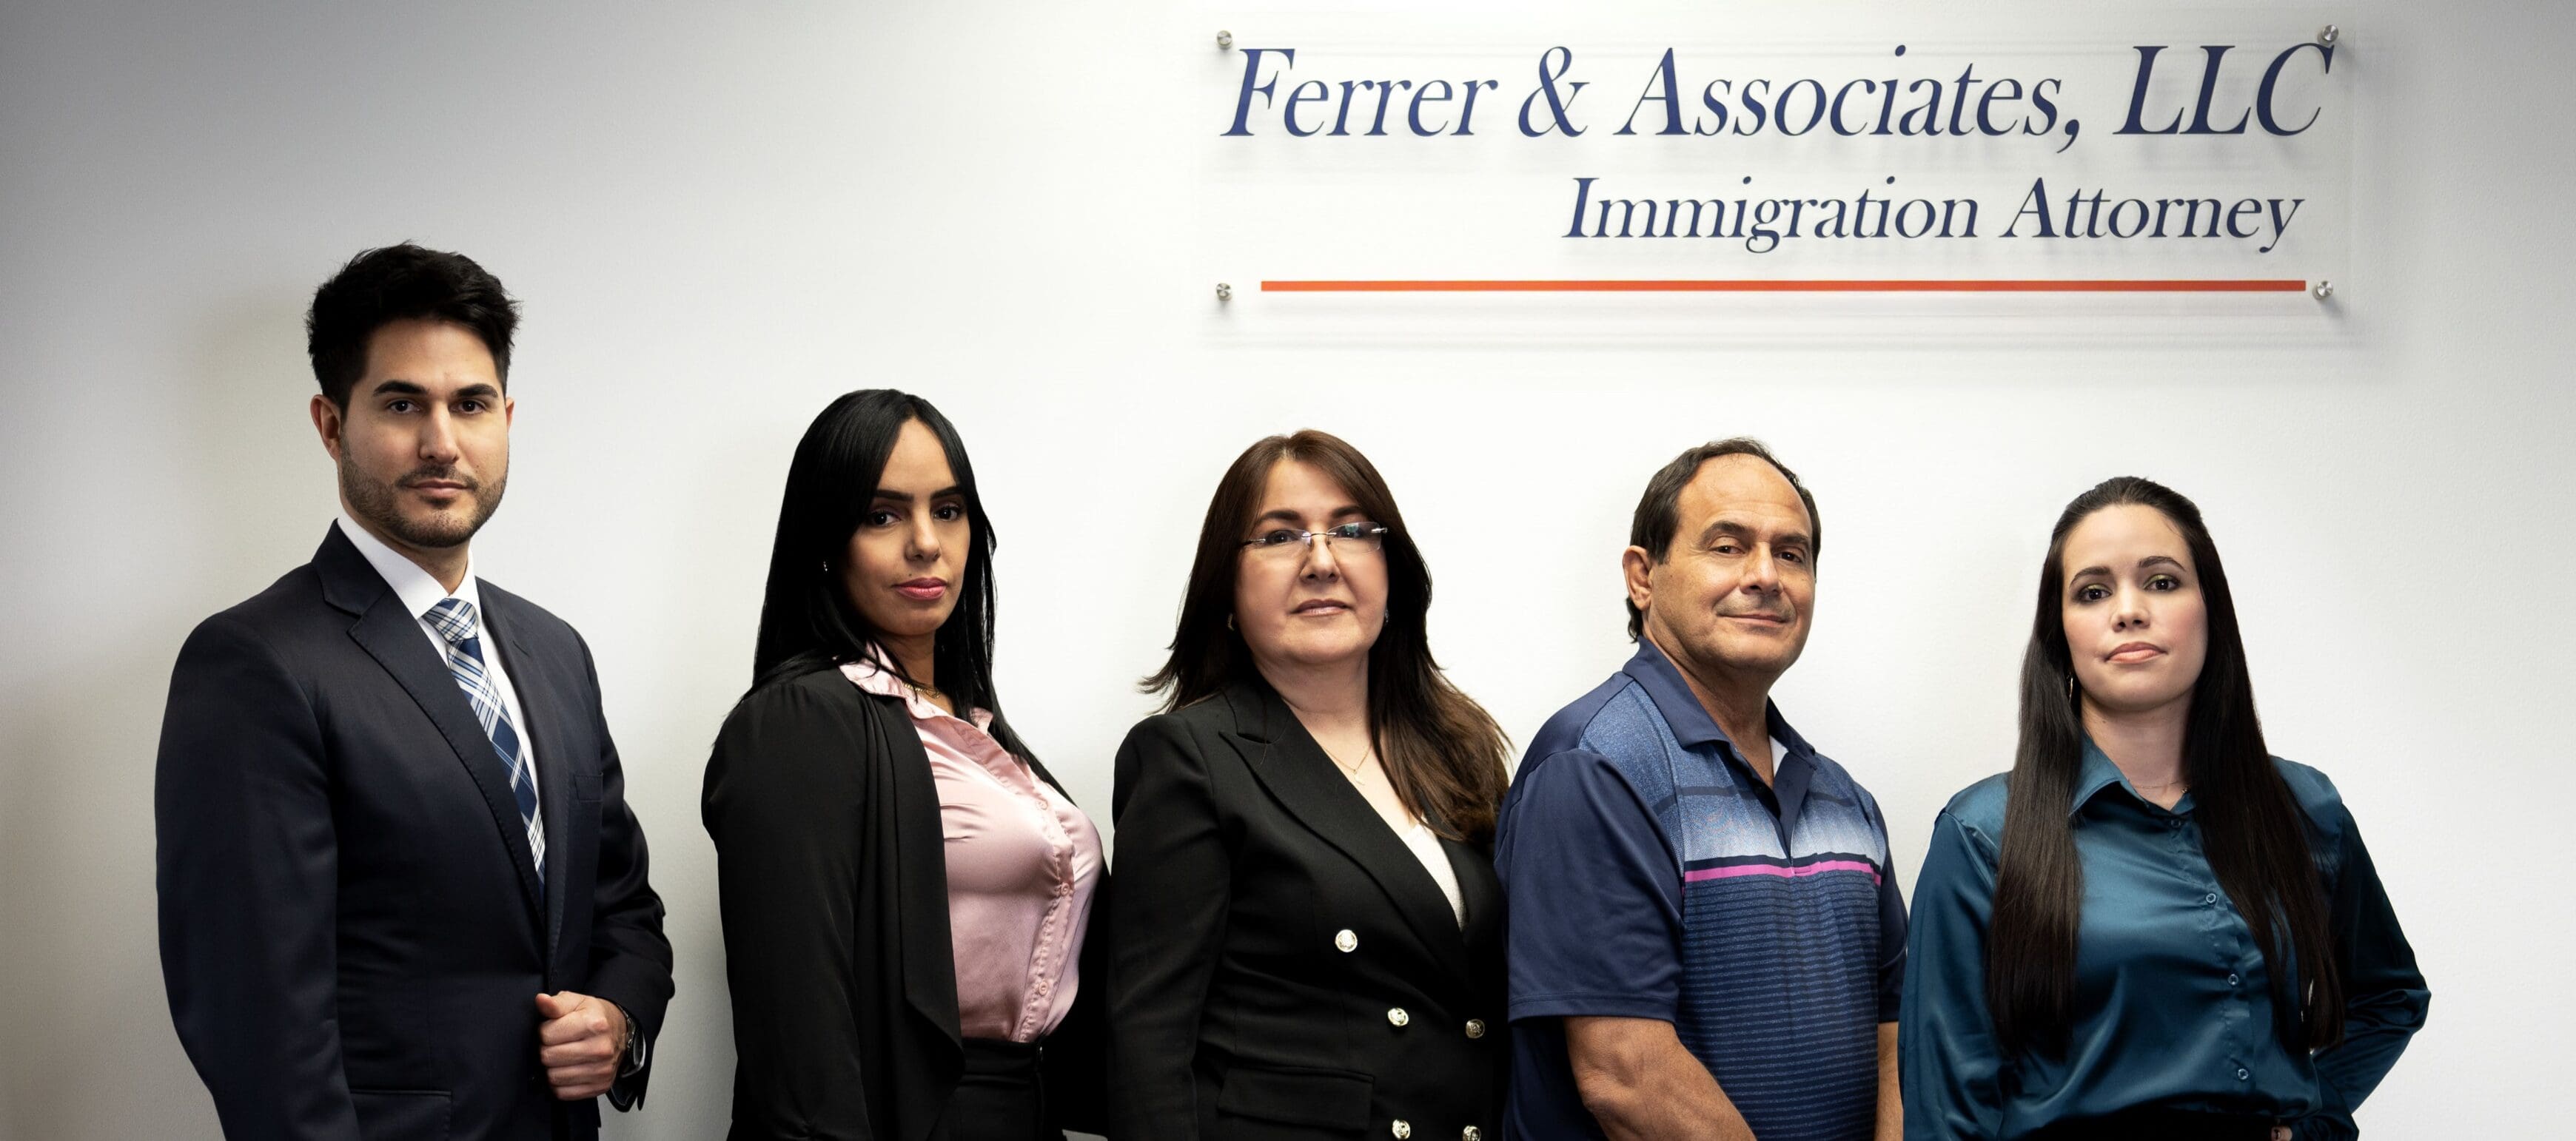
<point x="1022" y="863"/>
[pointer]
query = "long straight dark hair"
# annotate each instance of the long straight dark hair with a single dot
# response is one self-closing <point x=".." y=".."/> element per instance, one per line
<point x="1443" y="753"/>
<point x="2252" y="829"/>
<point x="807" y="622"/>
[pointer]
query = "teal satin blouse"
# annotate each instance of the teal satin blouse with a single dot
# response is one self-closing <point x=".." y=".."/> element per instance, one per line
<point x="2173" y="1006"/>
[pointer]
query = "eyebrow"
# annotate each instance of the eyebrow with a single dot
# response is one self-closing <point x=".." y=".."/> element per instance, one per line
<point x="2149" y="561"/>
<point x="906" y="497"/>
<point x="408" y="388"/>
<point x="1284" y="515"/>
<point x="1739" y="530"/>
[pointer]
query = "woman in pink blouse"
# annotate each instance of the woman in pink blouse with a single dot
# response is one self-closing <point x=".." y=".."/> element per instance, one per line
<point x="906" y="893"/>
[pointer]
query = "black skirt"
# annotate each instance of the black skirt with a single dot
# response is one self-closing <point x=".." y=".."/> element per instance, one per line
<point x="999" y="1097"/>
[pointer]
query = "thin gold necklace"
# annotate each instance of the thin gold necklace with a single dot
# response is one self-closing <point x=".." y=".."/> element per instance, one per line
<point x="1352" y="770"/>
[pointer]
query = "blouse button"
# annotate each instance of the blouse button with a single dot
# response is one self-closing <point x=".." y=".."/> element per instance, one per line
<point x="2241" y="1074"/>
<point x="1345" y="941"/>
<point x="1475" y="1027"/>
<point x="2231" y="978"/>
<point x="2210" y="898"/>
<point x="1402" y="1129"/>
<point x="1395" y="1016"/>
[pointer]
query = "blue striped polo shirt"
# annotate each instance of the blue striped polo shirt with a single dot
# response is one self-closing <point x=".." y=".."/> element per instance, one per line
<point x="1651" y="874"/>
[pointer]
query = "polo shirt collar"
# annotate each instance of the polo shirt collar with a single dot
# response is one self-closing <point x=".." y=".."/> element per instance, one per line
<point x="1689" y="720"/>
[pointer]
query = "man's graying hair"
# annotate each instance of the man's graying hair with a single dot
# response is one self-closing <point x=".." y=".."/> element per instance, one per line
<point x="1659" y="511"/>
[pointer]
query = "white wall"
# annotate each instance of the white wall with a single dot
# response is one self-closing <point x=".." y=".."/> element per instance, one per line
<point x="718" y="218"/>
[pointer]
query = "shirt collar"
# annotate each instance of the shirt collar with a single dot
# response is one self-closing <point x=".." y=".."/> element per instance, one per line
<point x="2095" y="772"/>
<point x="872" y="675"/>
<point x="417" y="588"/>
<point x="1688" y="719"/>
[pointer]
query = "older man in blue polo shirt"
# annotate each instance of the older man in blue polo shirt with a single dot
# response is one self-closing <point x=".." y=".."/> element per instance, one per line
<point x="1706" y="939"/>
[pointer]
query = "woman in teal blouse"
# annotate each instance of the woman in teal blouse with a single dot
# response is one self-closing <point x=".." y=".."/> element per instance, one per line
<point x="2151" y="927"/>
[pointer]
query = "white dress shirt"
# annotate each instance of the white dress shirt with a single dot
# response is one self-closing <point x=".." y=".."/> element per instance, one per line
<point x="420" y="593"/>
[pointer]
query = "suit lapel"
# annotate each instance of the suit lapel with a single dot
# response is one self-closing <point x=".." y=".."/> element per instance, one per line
<point x="543" y="713"/>
<point x="921" y="872"/>
<point x="392" y="636"/>
<point x="1288" y="762"/>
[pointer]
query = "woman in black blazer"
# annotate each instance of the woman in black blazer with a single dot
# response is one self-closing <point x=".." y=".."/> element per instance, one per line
<point x="906" y="896"/>
<point x="1308" y="932"/>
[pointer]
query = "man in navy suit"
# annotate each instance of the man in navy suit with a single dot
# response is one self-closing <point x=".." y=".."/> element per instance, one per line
<point x="401" y="892"/>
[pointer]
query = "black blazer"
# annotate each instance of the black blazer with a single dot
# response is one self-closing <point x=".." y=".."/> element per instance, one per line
<point x="1284" y="967"/>
<point x="350" y="928"/>
<point x="834" y="887"/>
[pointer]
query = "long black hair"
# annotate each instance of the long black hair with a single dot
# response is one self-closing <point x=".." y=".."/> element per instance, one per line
<point x="2252" y="829"/>
<point x="1443" y="753"/>
<point x="807" y="622"/>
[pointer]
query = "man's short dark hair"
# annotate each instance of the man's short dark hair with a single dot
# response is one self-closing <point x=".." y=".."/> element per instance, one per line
<point x="396" y="283"/>
<point x="1659" y="511"/>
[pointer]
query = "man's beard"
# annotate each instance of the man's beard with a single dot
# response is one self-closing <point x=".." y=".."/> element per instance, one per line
<point x="374" y="502"/>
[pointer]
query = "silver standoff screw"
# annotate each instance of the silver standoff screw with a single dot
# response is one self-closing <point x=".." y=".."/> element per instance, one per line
<point x="2329" y="35"/>
<point x="1225" y="292"/>
<point x="1225" y="40"/>
<point x="2323" y="290"/>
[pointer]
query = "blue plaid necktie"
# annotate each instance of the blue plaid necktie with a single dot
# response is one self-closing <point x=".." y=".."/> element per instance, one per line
<point x="455" y="620"/>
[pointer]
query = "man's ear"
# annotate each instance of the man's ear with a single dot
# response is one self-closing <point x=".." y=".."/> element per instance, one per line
<point x="328" y="421"/>
<point x="1634" y="566"/>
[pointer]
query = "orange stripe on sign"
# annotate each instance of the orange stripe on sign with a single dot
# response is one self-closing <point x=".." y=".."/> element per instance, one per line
<point x="1972" y="285"/>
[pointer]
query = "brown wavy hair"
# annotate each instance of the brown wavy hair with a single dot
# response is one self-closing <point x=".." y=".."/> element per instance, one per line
<point x="1443" y="753"/>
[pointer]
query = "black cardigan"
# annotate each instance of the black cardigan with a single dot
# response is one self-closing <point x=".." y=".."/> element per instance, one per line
<point x="1283" y="965"/>
<point x="834" y="891"/>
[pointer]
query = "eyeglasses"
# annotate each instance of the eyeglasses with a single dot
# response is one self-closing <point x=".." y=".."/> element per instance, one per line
<point x="1347" y="539"/>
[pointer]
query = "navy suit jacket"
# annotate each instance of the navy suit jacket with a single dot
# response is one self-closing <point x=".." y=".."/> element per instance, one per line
<point x="351" y="927"/>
